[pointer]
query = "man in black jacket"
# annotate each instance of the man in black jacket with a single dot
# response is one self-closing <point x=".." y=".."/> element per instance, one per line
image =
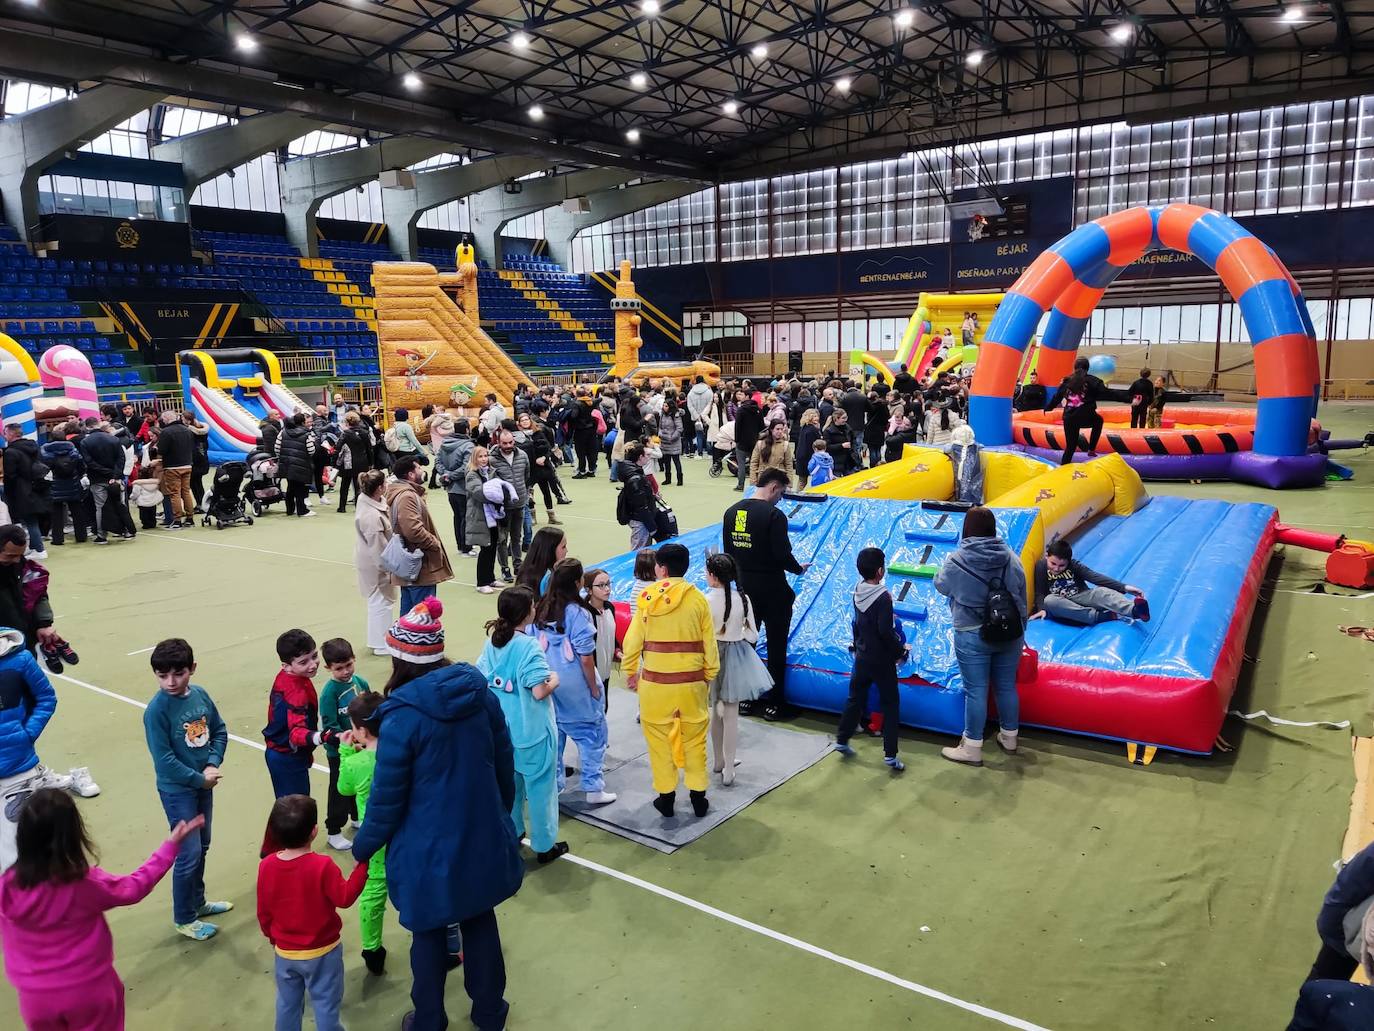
<point x="635" y="506"/>
<point x="176" y="444"/>
<point x="855" y="405"/>
<point x="105" y="469"/>
<point x="583" y="428"/>
<point x="1031" y="396"/>
<point x="26" y="486"/>
<point x="904" y="382"/>
<point x="754" y="533"/>
<point x="748" y="427"/>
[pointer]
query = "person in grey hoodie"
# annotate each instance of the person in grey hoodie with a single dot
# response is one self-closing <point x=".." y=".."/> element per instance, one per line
<point x="451" y="465"/>
<point x="698" y="401"/>
<point x="512" y="465"/>
<point x="966" y="580"/>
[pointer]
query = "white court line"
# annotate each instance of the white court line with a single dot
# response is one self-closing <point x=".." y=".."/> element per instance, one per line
<point x="142" y="650"/>
<point x="1314" y="594"/>
<point x="701" y="907"/>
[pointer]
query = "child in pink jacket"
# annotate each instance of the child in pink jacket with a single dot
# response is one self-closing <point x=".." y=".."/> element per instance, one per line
<point x="59" y="954"/>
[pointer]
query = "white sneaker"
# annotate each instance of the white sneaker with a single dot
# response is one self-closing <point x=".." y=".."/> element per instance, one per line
<point x="36" y="556"/>
<point x="82" y="784"/>
<point x="50" y="778"/>
<point x="307" y="515"/>
<point x="601" y="797"/>
<point x="339" y="842"/>
<point x="486" y="589"/>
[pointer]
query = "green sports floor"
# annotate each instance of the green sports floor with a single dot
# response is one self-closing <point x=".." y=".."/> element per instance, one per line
<point x="1061" y="889"/>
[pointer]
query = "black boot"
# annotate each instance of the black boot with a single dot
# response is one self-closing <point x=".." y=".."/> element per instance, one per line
<point x="559" y="849"/>
<point x="699" y="802"/>
<point x="375" y="960"/>
<point x="664" y="803"/>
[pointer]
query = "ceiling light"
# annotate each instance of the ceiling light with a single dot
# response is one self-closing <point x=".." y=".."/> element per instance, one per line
<point x="903" y="19"/>
<point x="1121" y="33"/>
<point x="520" y="41"/>
<point x="411" y="81"/>
<point x="759" y="52"/>
<point x="632" y="135"/>
<point x="649" y="7"/>
<point x="639" y="80"/>
<point x="974" y="58"/>
<point x="730" y="107"/>
<point x="246" y="43"/>
<point x="536" y="112"/>
<point x="1291" y="14"/>
<point x="843" y="84"/>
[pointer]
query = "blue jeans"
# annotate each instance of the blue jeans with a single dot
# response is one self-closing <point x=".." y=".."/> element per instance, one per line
<point x="35" y="533"/>
<point x="290" y="774"/>
<point x="528" y="533"/>
<point x="322" y="978"/>
<point x="188" y="872"/>
<point x="641" y="535"/>
<point x="985" y="666"/>
<point x="701" y="441"/>
<point x="414" y="594"/>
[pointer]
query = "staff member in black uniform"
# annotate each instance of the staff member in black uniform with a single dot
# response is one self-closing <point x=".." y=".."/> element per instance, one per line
<point x="755" y="536"/>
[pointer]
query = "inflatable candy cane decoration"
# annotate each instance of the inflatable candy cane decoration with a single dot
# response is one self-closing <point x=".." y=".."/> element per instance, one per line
<point x="18" y="386"/>
<point x="66" y="367"/>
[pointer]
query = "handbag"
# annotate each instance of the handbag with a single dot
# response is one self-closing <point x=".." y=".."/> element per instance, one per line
<point x="398" y="560"/>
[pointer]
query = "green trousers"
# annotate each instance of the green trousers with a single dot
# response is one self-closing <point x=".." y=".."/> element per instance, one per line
<point x="372" y="903"/>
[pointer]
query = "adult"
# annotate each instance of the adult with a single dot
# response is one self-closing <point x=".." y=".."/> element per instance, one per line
<point x="533" y="438"/>
<point x="1031" y="397"/>
<point x="904" y="382"/>
<point x="670" y="657"/>
<point x="808" y="432"/>
<point x="904" y="432"/>
<point x="66" y="492"/>
<point x="372" y="526"/>
<point x="27" y="702"/>
<point x="1349" y="894"/>
<point x="583" y="425"/>
<point x="941" y="422"/>
<point x="400" y="439"/>
<point x="441" y="799"/>
<point x="513" y="466"/>
<point x="1329" y="1000"/>
<point x="125" y="415"/>
<point x="635" y="505"/>
<point x="26" y="486"/>
<point x="875" y="429"/>
<point x="296" y="464"/>
<point x="754" y="532"/>
<point x="410" y="518"/>
<point x="200" y="456"/>
<point x="451" y="465"/>
<point x="699" y="400"/>
<point x="339" y="411"/>
<point x="631" y="426"/>
<point x="105" y="464"/>
<point x="855" y="405"/>
<point x="748" y="427"/>
<point x="482" y="527"/>
<point x="1142" y="393"/>
<point x="326" y="436"/>
<point x="969" y="578"/>
<point x="176" y="446"/>
<point x="670" y="438"/>
<point x="268" y="431"/>
<point x="24" y="609"/>
<point x="839" y="442"/>
<point x="352" y="457"/>
<point x="1079" y="393"/>
<point x="489" y="421"/>
<point x="773" y="451"/>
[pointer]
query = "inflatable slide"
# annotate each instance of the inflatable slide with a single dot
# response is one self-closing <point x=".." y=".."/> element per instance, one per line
<point x="626" y="307"/>
<point x="433" y="351"/>
<point x="1165" y="683"/>
<point x="231" y="390"/>
<point x="934" y="314"/>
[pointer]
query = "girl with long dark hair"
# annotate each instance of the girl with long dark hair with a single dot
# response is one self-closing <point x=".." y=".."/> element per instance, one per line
<point x="743" y="676"/>
<point x="548" y="546"/>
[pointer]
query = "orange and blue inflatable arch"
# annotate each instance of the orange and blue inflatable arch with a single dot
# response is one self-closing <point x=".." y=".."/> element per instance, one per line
<point x="1070" y="278"/>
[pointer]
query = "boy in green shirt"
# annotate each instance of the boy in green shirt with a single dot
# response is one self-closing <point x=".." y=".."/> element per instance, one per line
<point x="343" y="686"/>
<point x="357" y="760"/>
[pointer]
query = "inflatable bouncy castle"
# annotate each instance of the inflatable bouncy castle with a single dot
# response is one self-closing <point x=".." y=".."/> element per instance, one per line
<point x="19" y="387"/>
<point x="231" y="390"/>
<point x="626" y="307"/>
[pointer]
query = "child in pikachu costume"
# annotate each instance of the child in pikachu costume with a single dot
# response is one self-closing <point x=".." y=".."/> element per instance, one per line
<point x="669" y="658"/>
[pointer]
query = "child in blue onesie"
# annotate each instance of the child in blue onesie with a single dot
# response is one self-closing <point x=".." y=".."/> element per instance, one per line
<point x="516" y="670"/>
<point x="566" y="627"/>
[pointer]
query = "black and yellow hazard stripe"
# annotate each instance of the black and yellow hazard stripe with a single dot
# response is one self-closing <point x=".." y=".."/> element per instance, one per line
<point x="375" y="231"/>
<point x="216" y="325"/>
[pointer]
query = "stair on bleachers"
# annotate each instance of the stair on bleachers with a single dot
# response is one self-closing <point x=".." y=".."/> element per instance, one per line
<point x="550" y="313"/>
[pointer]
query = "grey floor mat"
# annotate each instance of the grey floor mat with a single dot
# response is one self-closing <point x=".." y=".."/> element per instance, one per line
<point x="770" y="755"/>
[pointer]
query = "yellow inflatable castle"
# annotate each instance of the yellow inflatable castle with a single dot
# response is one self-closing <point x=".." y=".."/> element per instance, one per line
<point x="432" y="349"/>
<point x="626" y="306"/>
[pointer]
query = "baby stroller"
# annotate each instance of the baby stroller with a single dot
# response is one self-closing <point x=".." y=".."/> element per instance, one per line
<point x="224" y="506"/>
<point x="723" y="460"/>
<point x="262" y="488"/>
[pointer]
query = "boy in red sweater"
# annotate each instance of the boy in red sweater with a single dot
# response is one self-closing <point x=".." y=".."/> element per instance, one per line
<point x="293" y="716"/>
<point x="299" y="892"/>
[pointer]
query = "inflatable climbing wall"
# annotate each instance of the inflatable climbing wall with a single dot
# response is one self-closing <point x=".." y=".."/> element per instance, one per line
<point x="433" y="351"/>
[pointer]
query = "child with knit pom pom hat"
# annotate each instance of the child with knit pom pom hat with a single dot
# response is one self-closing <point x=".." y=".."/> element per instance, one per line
<point x="418" y="636"/>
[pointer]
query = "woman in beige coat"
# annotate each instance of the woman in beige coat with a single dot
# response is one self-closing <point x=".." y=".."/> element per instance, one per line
<point x="373" y="530"/>
<point x="773" y="451"/>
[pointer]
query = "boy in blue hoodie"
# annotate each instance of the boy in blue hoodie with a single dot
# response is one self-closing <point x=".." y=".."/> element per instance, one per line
<point x="27" y="702"/>
<point x="879" y="648"/>
<point x="186" y="739"/>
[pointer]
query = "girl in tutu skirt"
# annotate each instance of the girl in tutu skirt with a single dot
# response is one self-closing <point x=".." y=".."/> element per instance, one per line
<point x="743" y="676"/>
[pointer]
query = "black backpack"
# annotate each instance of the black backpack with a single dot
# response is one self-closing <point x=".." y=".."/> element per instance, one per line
<point x="622" y="506"/>
<point x="1001" y="618"/>
<point x="65" y="466"/>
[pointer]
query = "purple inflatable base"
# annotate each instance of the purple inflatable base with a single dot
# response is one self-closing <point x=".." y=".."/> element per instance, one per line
<point x="1273" y="471"/>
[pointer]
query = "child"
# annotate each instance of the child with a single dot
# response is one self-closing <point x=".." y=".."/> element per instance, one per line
<point x="146" y="492"/>
<point x="1154" y="414"/>
<point x="186" y="738"/>
<point x="27" y="702"/>
<point x="299" y="892"/>
<point x="567" y="632"/>
<point x="653" y="448"/>
<point x="343" y="686"/>
<point x="644" y="572"/>
<point x="516" y="670"/>
<point x="293" y="716"/>
<point x="597" y="584"/>
<point x="357" y="760"/>
<point x="821" y="468"/>
<point x="742" y="676"/>
<point x="1142" y="393"/>
<point x="59" y="954"/>
<point x="879" y="648"/>
<point x="1063" y="594"/>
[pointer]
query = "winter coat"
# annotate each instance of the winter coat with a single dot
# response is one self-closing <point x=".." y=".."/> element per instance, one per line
<point x="986" y="557"/>
<point x="580" y="416"/>
<point x="441" y="800"/>
<point x="200" y="457"/>
<point x="416" y="527"/>
<point x="515" y="470"/>
<point x="782" y="458"/>
<point x="806" y="438"/>
<point x="935" y="435"/>
<point x="25" y="494"/>
<point x="295" y="450"/>
<point x="699" y="399"/>
<point x="56" y="453"/>
<point x="13" y="611"/>
<point x="877" y="637"/>
<point x="536" y="444"/>
<point x="268" y="431"/>
<point x="855" y="405"/>
<point x="452" y="463"/>
<point x="177" y="446"/>
<point x="835" y="439"/>
<point x="104" y="456"/>
<point x="639" y="500"/>
<point x="27" y="702"/>
<point x="372" y="529"/>
<point x="354" y="452"/>
<point x="748" y="426"/>
<point x="1352" y="886"/>
<point x="670" y="433"/>
<point x="896" y="444"/>
<point x="479" y="534"/>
